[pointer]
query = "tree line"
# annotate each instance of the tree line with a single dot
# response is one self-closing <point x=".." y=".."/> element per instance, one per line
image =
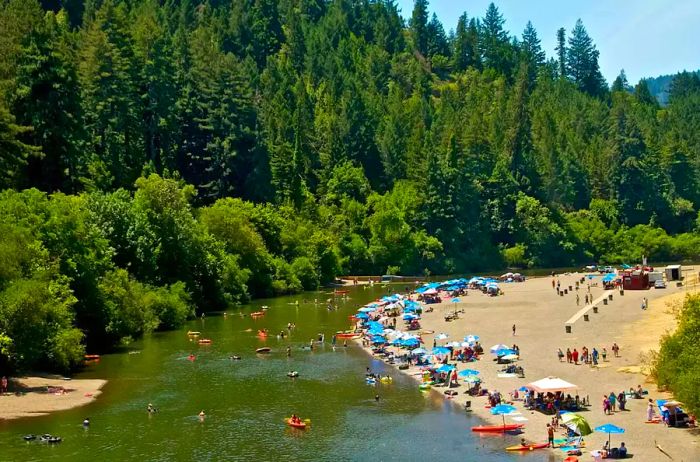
<point x="162" y="156"/>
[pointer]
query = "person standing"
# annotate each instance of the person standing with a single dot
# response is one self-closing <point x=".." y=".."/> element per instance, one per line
<point x="616" y="350"/>
<point x="613" y="400"/>
<point x="574" y="356"/>
<point x="568" y="355"/>
<point x="513" y="330"/>
<point x="577" y="299"/>
<point x="604" y="353"/>
<point x="550" y="436"/>
<point x="3" y="385"/>
<point x="650" y="411"/>
<point x="560" y="355"/>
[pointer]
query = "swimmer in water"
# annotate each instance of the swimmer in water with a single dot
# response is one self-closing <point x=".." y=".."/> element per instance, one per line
<point x="86" y="422"/>
<point x="150" y="408"/>
<point x="201" y="416"/>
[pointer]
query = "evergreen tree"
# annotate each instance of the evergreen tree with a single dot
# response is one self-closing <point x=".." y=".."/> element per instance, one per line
<point x="495" y="46"/>
<point x="561" y="52"/>
<point x="620" y="83"/>
<point x="419" y="26"/>
<point x="532" y="52"/>
<point x="437" y="39"/>
<point x="582" y="62"/>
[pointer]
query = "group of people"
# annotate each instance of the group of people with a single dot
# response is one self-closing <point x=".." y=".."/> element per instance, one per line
<point x="587" y="356"/>
<point x="552" y="403"/>
<point x="613" y="402"/>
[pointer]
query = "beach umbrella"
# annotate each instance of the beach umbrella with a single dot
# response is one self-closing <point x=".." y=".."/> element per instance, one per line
<point x="500" y="346"/>
<point x="576" y="423"/>
<point x="523" y="388"/>
<point x="467" y="373"/>
<point x="409" y="316"/>
<point x="441" y="351"/>
<point x="446" y="368"/>
<point x="378" y="339"/>
<point x="471" y="338"/>
<point x="509" y="357"/>
<point x="465" y="344"/>
<point x="411" y="342"/>
<point x="366" y="309"/>
<point x="609" y="429"/>
<point x="505" y="352"/>
<point x="441" y="336"/>
<point x="472" y="379"/>
<point x="454" y="344"/>
<point x="419" y="351"/>
<point x="502" y="410"/>
<point x="362" y="316"/>
<point x="672" y="403"/>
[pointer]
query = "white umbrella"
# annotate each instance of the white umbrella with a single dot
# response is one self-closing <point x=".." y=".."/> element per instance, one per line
<point x="509" y="357"/>
<point x="441" y="336"/>
<point x="501" y="346"/>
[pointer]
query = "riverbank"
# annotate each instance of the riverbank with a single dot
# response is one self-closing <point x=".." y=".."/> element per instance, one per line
<point x="36" y="396"/>
<point x="539" y="315"/>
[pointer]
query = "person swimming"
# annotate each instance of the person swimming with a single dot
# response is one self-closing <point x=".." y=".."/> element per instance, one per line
<point x="86" y="422"/>
<point x="151" y="409"/>
<point x="201" y="415"/>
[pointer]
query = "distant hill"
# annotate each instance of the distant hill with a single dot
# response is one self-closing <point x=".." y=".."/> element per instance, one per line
<point x="659" y="86"/>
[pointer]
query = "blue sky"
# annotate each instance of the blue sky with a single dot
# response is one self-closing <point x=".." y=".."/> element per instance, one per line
<point x="645" y="37"/>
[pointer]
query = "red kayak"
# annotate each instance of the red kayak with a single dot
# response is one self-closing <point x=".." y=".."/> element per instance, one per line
<point x="497" y="428"/>
<point x="300" y="425"/>
<point x="528" y="447"/>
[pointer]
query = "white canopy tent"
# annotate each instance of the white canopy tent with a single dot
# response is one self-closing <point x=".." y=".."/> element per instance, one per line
<point x="551" y="385"/>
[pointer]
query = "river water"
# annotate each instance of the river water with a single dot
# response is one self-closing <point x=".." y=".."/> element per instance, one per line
<point x="247" y="400"/>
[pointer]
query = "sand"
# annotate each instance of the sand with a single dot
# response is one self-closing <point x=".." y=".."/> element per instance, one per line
<point x="29" y="396"/>
<point x="540" y="315"/>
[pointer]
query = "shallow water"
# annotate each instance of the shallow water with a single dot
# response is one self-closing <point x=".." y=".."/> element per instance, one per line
<point x="246" y="401"/>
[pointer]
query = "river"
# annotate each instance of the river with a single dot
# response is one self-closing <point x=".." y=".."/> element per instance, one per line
<point x="246" y="401"/>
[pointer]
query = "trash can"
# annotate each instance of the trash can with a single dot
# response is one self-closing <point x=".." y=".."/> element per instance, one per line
<point x="605" y="301"/>
<point x="571" y="288"/>
<point x="585" y="317"/>
<point x="595" y="308"/>
<point x="568" y="329"/>
<point x="610" y="297"/>
<point x="622" y="291"/>
<point x="566" y="291"/>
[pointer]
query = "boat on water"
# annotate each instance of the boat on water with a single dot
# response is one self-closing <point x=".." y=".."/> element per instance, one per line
<point x="263" y="350"/>
<point x="300" y="425"/>
<point x="347" y="335"/>
<point x="497" y="428"/>
<point x="257" y="313"/>
<point x="527" y="447"/>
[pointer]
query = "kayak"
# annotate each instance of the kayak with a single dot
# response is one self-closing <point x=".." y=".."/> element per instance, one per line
<point x="204" y="341"/>
<point x="528" y="447"/>
<point x="263" y="350"/>
<point x="497" y="428"/>
<point x="92" y="357"/>
<point x="300" y="425"/>
<point x="346" y="335"/>
<point x="257" y="313"/>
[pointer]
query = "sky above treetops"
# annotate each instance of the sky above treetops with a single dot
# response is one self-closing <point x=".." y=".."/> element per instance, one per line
<point x="646" y="38"/>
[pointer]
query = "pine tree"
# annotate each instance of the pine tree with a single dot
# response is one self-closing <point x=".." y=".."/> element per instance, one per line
<point x="582" y="62"/>
<point x="419" y="26"/>
<point x="110" y="99"/>
<point x="531" y="47"/>
<point x="561" y="52"/>
<point x="620" y="83"/>
<point x="495" y="46"/>
<point x="437" y="39"/>
<point x="460" y="44"/>
<point x="48" y="100"/>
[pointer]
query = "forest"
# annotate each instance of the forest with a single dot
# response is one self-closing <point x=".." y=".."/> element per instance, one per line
<point x="160" y="158"/>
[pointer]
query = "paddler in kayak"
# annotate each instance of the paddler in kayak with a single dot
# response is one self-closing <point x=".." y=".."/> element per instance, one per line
<point x="295" y="419"/>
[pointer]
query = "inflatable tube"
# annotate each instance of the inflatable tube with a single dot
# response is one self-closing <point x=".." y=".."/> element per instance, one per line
<point x="299" y="425"/>
<point x="204" y="341"/>
<point x="92" y="357"/>
<point x="371" y="381"/>
<point x="193" y="333"/>
<point x="424" y="386"/>
<point x="236" y="358"/>
<point x="29" y="437"/>
<point x="263" y="350"/>
<point x="386" y="379"/>
<point x="293" y="374"/>
<point x="257" y="313"/>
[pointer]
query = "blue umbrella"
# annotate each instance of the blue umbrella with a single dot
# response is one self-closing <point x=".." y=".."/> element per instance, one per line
<point x="609" y="428"/>
<point x="378" y="339"/>
<point x="409" y="316"/>
<point x="505" y="352"/>
<point x="411" y="341"/>
<point x="366" y="309"/>
<point x="523" y="388"/>
<point x="502" y="410"/>
<point x="467" y="372"/>
<point x="446" y="368"/>
<point x="419" y="351"/>
<point x="441" y="351"/>
<point x="362" y="316"/>
<point x="455" y="300"/>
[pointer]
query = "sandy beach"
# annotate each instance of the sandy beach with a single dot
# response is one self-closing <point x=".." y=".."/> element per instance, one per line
<point x="35" y="396"/>
<point x="540" y="316"/>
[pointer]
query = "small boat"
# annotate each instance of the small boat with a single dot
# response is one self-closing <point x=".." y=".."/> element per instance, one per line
<point x="386" y="379"/>
<point x="92" y="357"/>
<point x="371" y="381"/>
<point x="292" y="374"/>
<point x="257" y="313"/>
<point x="193" y="333"/>
<point x="300" y="425"/>
<point x="528" y="447"/>
<point x="29" y="437"/>
<point x="497" y="428"/>
<point x="263" y="350"/>
<point x="204" y="341"/>
<point x="262" y="334"/>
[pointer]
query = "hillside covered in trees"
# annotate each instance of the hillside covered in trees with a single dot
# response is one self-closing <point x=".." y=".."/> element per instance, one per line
<point x="162" y="156"/>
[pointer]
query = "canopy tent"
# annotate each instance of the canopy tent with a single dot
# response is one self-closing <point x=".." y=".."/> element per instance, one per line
<point x="551" y="384"/>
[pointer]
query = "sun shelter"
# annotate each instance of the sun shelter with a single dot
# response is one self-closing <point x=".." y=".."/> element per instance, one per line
<point x="551" y="385"/>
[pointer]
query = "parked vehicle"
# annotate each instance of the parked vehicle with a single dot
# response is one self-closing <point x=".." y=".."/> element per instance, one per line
<point x="659" y="284"/>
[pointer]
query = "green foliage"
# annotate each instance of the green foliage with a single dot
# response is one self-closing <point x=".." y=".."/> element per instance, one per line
<point x="677" y="368"/>
<point x="197" y="154"/>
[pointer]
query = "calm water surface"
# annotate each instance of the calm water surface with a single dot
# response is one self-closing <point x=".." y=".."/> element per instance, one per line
<point x="246" y="401"/>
